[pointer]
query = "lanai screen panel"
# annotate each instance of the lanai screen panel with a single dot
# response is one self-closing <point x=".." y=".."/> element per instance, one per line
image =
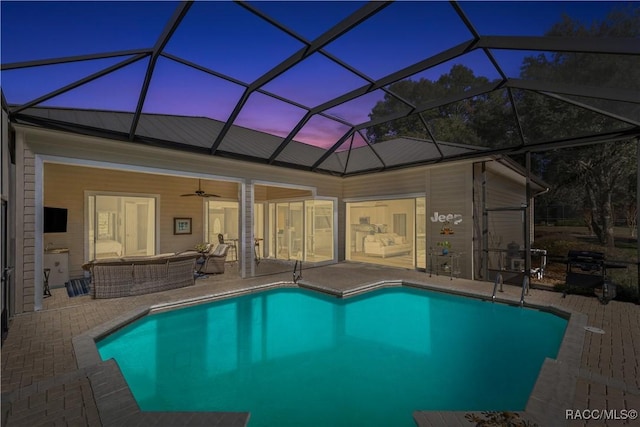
<point x="289" y="83"/>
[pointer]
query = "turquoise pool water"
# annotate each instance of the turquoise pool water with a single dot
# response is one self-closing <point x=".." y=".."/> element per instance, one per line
<point x="294" y="357"/>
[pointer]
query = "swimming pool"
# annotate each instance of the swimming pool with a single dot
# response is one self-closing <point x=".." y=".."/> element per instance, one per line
<point x="294" y="357"/>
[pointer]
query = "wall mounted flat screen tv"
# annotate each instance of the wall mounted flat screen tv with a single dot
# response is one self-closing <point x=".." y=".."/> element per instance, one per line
<point x="55" y="220"/>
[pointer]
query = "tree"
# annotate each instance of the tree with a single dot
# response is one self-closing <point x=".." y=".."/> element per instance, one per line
<point x="593" y="178"/>
<point x="485" y="120"/>
<point x="596" y="177"/>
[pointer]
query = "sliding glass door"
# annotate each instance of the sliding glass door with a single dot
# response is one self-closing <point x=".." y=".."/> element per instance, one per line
<point x="222" y="218"/>
<point x="301" y="230"/>
<point x="388" y="232"/>
<point x="319" y="233"/>
<point x="287" y="230"/>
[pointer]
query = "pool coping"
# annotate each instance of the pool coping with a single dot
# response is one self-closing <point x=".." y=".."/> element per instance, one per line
<point x="552" y="394"/>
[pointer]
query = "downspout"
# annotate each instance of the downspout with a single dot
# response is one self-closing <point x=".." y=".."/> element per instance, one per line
<point x="527" y="217"/>
<point x="485" y="225"/>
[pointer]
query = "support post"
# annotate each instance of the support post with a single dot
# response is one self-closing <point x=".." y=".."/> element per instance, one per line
<point x="527" y="218"/>
<point x="485" y="225"/>
<point x="638" y="215"/>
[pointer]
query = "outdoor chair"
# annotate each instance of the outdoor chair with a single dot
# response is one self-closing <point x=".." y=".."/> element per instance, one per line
<point x="232" y="246"/>
<point x="215" y="259"/>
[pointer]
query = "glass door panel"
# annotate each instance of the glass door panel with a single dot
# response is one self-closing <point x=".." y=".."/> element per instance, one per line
<point x="296" y="230"/>
<point x="319" y="235"/>
<point x="121" y="226"/>
<point x="222" y="218"/>
<point x="282" y="230"/>
<point x="273" y="231"/>
<point x="301" y="230"/>
<point x="382" y="232"/>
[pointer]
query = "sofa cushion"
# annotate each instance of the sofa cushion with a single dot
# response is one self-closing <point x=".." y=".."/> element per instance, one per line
<point x="147" y="257"/>
<point x="219" y="250"/>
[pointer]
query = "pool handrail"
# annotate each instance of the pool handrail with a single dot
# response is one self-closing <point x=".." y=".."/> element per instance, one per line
<point x="495" y="286"/>
<point x="298" y="276"/>
<point x="525" y="289"/>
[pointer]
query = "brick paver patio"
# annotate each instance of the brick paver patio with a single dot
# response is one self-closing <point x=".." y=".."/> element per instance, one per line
<point x="43" y="385"/>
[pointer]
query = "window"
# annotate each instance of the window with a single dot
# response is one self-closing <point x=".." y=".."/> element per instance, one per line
<point x="121" y="225"/>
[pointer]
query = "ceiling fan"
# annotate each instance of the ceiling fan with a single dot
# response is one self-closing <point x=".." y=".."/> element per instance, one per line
<point x="199" y="192"/>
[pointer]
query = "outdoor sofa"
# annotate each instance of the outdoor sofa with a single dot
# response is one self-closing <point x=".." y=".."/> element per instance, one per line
<point x="126" y="276"/>
<point x="386" y="245"/>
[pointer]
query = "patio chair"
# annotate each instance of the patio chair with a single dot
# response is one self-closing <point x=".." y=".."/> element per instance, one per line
<point x="214" y="260"/>
<point x="232" y="246"/>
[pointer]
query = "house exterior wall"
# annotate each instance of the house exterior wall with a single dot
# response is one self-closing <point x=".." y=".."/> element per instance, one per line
<point x="502" y="191"/>
<point x="65" y="187"/>
<point x="404" y="181"/>
<point x="139" y="156"/>
<point x="450" y="195"/>
<point x="26" y="298"/>
<point x="449" y="191"/>
<point x="38" y="149"/>
<point x="505" y="226"/>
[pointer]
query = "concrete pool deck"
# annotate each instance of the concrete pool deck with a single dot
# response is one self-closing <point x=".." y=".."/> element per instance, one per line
<point x="42" y="383"/>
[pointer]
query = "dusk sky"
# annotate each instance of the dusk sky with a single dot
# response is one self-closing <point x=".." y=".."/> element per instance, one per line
<point x="227" y="38"/>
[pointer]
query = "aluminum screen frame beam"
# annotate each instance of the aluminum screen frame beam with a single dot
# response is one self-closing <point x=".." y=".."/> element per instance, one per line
<point x="163" y="39"/>
<point x="360" y="15"/>
<point x="616" y="46"/>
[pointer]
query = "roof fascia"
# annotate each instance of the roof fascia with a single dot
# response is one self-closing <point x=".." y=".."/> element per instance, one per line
<point x="518" y="168"/>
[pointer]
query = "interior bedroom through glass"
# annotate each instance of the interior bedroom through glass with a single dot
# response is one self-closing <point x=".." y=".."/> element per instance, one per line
<point x="121" y="225"/>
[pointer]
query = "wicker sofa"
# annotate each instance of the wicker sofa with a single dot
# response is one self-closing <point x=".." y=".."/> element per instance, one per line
<point x="126" y="276"/>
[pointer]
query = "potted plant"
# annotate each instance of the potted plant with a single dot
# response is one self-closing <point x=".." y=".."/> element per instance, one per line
<point x="446" y="245"/>
<point x="202" y="247"/>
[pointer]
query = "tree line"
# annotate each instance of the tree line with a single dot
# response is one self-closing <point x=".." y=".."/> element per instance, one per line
<point x="598" y="179"/>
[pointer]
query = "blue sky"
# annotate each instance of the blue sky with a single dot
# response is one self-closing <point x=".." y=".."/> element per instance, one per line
<point x="228" y="39"/>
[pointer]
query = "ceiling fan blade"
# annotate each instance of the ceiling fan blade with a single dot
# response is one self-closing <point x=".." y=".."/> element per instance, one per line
<point x="199" y="192"/>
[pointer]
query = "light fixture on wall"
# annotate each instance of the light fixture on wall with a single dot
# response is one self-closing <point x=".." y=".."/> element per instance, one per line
<point x="199" y="192"/>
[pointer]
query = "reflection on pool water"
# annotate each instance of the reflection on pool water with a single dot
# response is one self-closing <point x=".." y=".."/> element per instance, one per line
<point x="294" y="357"/>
